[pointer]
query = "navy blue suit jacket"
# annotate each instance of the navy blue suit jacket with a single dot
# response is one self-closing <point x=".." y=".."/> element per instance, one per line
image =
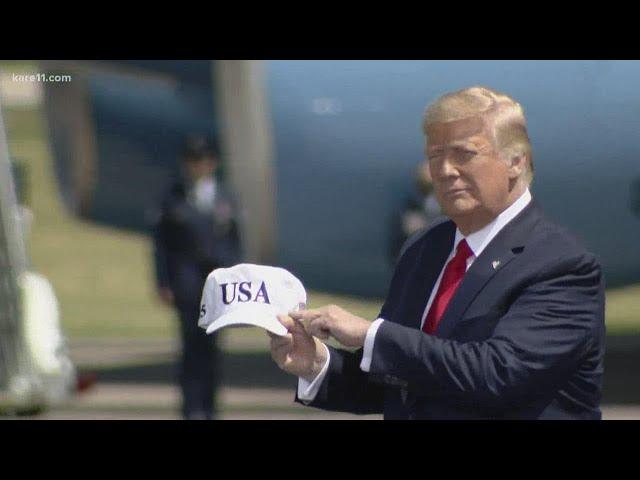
<point x="521" y="341"/>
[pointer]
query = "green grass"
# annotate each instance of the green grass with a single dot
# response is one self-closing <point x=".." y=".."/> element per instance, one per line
<point x="623" y="310"/>
<point x="103" y="276"/>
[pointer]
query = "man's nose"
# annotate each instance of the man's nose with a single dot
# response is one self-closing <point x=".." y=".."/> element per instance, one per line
<point x="447" y="168"/>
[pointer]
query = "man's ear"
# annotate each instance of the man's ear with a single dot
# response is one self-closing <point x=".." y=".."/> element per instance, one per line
<point x="517" y="166"/>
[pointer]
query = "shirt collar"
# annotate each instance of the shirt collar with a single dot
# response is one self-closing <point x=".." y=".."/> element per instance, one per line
<point x="478" y="241"/>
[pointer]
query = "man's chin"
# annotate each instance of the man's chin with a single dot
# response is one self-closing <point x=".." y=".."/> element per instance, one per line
<point x="460" y="208"/>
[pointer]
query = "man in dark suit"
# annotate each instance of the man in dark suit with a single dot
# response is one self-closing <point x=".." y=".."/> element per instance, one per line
<point x="496" y="312"/>
<point x="196" y="232"/>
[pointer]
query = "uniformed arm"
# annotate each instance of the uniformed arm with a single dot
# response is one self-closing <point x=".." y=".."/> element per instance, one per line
<point x="160" y="261"/>
<point x="540" y="340"/>
<point x="234" y="235"/>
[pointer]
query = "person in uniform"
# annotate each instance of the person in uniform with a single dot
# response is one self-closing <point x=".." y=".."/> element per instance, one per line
<point x="195" y="233"/>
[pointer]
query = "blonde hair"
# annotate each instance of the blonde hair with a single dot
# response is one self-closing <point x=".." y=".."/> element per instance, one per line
<point x="508" y="121"/>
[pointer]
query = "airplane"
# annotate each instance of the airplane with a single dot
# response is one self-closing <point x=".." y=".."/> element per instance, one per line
<point x="322" y="153"/>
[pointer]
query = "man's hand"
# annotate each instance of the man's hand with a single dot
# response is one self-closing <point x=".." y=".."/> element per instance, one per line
<point x="333" y="321"/>
<point x="166" y="296"/>
<point x="297" y="353"/>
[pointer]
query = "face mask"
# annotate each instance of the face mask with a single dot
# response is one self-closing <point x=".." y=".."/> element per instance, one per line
<point x="203" y="194"/>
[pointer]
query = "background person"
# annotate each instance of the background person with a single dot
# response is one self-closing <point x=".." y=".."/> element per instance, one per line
<point x="196" y="233"/>
<point x="421" y="210"/>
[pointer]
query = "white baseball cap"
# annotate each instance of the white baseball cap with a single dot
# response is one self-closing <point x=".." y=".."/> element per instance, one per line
<point x="247" y="295"/>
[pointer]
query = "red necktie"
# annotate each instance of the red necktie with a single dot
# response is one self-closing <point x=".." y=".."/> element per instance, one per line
<point x="451" y="278"/>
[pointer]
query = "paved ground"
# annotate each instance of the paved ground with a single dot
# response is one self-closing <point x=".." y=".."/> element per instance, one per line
<point x="160" y="402"/>
<point x="135" y="382"/>
<point x="173" y="416"/>
<point x="104" y="352"/>
<point x="621" y="412"/>
<point x="154" y="398"/>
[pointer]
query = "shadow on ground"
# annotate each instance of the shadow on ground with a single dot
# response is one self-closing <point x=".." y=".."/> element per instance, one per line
<point x="257" y="370"/>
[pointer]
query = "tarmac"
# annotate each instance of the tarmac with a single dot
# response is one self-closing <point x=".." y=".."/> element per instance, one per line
<point x="136" y="381"/>
<point x="161" y="402"/>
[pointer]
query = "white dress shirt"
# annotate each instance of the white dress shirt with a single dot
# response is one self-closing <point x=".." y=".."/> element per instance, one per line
<point x="477" y="242"/>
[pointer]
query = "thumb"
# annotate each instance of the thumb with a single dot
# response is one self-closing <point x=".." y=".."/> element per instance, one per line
<point x="287" y="321"/>
<point x="299" y="328"/>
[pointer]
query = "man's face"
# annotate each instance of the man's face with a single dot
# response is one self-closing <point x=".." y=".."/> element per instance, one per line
<point x="200" y="168"/>
<point x="469" y="177"/>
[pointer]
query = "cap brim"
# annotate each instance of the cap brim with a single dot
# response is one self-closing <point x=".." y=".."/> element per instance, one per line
<point x="250" y="315"/>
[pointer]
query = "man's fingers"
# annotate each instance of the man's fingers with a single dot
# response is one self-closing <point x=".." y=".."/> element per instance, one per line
<point x="279" y="342"/>
<point x="305" y="314"/>
<point x="319" y="328"/>
<point x="299" y="327"/>
<point x="304" y="318"/>
<point x="286" y="321"/>
<point x="280" y="347"/>
<point x="280" y="354"/>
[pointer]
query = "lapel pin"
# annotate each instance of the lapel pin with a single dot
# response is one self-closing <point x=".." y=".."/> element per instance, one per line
<point x="496" y="264"/>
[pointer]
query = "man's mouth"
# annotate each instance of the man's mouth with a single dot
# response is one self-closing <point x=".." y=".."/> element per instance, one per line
<point x="455" y="191"/>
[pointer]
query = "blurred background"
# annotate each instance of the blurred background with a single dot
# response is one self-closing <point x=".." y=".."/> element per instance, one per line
<point x="322" y="159"/>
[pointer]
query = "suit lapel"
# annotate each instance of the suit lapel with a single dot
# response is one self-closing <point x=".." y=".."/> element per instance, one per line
<point x="433" y="255"/>
<point x="431" y="260"/>
<point x="472" y="283"/>
<point x="500" y="251"/>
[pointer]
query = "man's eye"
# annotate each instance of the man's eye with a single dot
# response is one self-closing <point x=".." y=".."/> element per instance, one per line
<point x="467" y="154"/>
